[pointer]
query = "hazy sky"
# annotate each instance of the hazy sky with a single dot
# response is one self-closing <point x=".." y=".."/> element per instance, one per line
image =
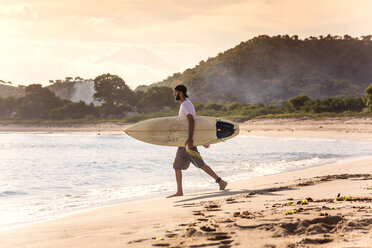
<point x="144" y="41"/>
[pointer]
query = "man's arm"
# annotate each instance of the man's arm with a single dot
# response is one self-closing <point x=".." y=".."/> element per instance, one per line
<point x="189" y="142"/>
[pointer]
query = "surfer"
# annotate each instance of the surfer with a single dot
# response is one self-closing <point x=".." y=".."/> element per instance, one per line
<point x="190" y="153"/>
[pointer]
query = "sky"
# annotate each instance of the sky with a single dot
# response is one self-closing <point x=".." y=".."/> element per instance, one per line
<point x="145" y="41"/>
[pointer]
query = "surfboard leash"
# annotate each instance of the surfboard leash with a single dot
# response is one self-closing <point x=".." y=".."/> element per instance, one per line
<point x="188" y="154"/>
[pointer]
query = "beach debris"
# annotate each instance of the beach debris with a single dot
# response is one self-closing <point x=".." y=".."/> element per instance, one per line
<point x="303" y="202"/>
<point x="328" y="208"/>
<point x="232" y="200"/>
<point x="212" y="206"/>
<point x="330" y="200"/>
<point x="290" y="212"/>
<point x="207" y="228"/>
<point x="360" y="199"/>
<point x="293" y="211"/>
<point x="202" y="219"/>
<point x="161" y="245"/>
<point x="190" y="231"/>
<point x="228" y="220"/>
<point x="170" y="234"/>
<point x="197" y="212"/>
<point x="276" y="205"/>
<point x="245" y="214"/>
<point x="289" y="204"/>
<point x="345" y="198"/>
<point x="343" y="176"/>
<point x="137" y="241"/>
<point x="226" y="242"/>
<point x="315" y="241"/>
<point x="220" y="237"/>
<point x="307" y="183"/>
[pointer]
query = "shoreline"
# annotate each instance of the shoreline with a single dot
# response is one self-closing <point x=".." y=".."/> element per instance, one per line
<point x="144" y="200"/>
<point x="169" y="221"/>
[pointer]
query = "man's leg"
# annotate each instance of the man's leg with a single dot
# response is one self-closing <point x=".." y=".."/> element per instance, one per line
<point x="179" y="183"/>
<point x="210" y="172"/>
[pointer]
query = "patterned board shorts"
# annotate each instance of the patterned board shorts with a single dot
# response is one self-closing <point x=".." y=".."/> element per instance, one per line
<point x="183" y="158"/>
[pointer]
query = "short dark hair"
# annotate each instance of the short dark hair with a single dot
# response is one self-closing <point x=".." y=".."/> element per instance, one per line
<point x="182" y="88"/>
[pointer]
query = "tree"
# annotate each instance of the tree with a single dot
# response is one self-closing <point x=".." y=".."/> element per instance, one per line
<point x="368" y="97"/>
<point x="114" y="93"/>
<point x="298" y="102"/>
<point x="156" y="99"/>
<point x="38" y="102"/>
<point x="7" y="107"/>
<point x="68" y="79"/>
<point x="73" y="110"/>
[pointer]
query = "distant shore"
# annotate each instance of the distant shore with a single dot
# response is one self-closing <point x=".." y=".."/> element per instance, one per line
<point x="352" y="128"/>
<point x="105" y="127"/>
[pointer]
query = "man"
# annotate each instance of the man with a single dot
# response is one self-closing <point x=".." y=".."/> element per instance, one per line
<point x="183" y="156"/>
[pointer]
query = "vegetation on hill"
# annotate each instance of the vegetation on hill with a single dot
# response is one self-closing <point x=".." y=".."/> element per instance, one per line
<point x="121" y="103"/>
<point x="273" y="69"/>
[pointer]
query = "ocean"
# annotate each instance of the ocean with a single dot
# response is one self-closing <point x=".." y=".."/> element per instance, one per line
<point x="46" y="176"/>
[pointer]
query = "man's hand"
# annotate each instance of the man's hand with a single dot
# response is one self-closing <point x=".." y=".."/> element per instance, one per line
<point x="189" y="143"/>
<point x="207" y="146"/>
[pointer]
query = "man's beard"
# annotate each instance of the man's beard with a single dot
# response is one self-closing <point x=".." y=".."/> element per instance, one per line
<point x="178" y="97"/>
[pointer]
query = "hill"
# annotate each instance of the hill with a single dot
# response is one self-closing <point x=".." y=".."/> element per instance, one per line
<point x="273" y="69"/>
<point x="264" y="69"/>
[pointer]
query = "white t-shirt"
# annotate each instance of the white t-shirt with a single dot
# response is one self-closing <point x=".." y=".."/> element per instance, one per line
<point x="186" y="108"/>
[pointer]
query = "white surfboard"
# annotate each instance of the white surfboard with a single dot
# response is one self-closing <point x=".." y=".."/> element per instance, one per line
<point x="174" y="131"/>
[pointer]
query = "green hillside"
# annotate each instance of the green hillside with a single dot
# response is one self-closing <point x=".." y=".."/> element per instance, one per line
<point x="273" y="69"/>
<point x="265" y="70"/>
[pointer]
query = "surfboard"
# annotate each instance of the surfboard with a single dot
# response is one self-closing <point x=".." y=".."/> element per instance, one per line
<point x="174" y="131"/>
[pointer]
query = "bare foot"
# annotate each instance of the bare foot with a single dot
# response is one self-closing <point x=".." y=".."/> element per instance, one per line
<point x="176" y="194"/>
<point x="222" y="184"/>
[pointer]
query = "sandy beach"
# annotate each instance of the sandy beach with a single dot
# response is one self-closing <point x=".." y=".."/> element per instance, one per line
<point x="352" y="128"/>
<point x="325" y="206"/>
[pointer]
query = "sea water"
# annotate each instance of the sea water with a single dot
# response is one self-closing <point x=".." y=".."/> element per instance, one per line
<point x="45" y="176"/>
